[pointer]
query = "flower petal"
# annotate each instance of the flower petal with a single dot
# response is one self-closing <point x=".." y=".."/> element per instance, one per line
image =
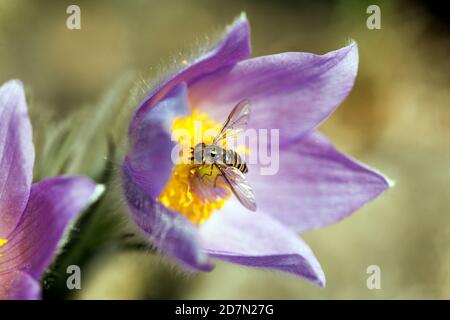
<point x="232" y="48"/>
<point x="255" y="239"/>
<point x="168" y="231"/>
<point x="291" y="91"/>
<point x="16" y="155"/>
<point x="149" y="159"/>
<point x="18" y="285"/>
<point x="145" y="171"/>
<point x="53" y="204"/>
<point x="316" y="185"/>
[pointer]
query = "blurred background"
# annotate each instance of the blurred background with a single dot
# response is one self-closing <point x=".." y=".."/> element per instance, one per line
<point x="82" y="86"/>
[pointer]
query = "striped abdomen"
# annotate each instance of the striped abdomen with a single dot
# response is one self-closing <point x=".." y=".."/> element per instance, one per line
<point x="233" y="159"/>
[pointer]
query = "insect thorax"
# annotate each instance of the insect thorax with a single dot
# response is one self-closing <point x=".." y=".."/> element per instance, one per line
<point x="211" y="153"/>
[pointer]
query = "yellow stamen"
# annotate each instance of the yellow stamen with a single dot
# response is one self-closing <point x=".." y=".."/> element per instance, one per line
<point x="178" y="194"/>
<point x="2" y="243"/>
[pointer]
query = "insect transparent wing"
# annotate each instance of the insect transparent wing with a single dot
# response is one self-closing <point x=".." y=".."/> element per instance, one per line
<point x="240" y="186"/>
<point x="236" y="122"/>
<point x="210" y="186"/>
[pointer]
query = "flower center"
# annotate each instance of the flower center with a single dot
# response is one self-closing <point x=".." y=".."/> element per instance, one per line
<point x="185" y="190"/>
<point x="2" y="243"/>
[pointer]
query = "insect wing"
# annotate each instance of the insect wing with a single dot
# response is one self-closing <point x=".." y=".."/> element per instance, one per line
<point x="240" y="186"/>
<point x="207" y="183"/>
<point x="236" y="122"/>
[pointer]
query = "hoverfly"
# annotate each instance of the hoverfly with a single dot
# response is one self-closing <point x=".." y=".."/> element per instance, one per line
<point x="216" y="163"/>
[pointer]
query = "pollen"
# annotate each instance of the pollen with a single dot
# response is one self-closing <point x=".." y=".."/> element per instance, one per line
<point x="2" y="243"/>
<point x="180" y="193"/>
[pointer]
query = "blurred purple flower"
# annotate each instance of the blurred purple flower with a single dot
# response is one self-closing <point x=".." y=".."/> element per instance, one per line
<point x="315" y="186"/>
<point x="33" y="217"/>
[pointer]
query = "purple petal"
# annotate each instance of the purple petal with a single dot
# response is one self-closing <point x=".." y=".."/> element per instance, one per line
<point x="233" y="47"/>
<point x="290" y="91"/>
<point x="16" y="155"/>
<point x="257" y="240"/>
<point x="145" y="172"/>
<point x="168" y="231"/>
<point x="149" y="159"/>
<point x="18" y="285"/>
<point x="316" y="185"/>
<point x="53" y="204"/>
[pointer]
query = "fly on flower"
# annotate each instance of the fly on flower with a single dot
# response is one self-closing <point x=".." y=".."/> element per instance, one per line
<point x="217" y="167"/>
<point x="186" y="209"/>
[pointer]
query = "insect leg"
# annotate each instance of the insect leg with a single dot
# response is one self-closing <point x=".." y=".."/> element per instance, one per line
<point x="207" y="174"/>
<point x="215" y="181"/>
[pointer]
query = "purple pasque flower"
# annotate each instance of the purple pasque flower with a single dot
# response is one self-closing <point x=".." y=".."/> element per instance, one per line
<point x="33" y="217"/>
<point x="315" y="186"/>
